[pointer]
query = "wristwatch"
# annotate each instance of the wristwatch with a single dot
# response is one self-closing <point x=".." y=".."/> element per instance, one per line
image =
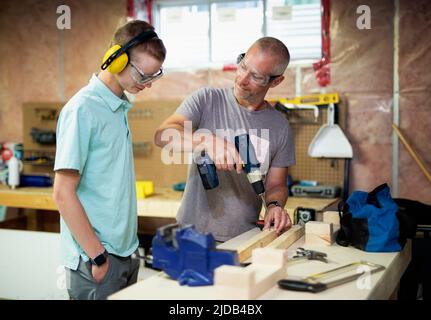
<point x="100" y="259"/>
<point x="275" y="203"/>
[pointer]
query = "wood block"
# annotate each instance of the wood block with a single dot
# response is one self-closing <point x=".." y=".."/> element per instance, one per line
<point x="269" y="256"/>
<point x="234" y="282"/>
<point x="286" y="239"/>
<point x="331" y="217"/>
<point x="334" y="218"/>
<point x="319" y="233"/>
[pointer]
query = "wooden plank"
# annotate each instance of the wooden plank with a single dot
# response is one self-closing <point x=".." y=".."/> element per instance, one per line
<point x="260" y="240"/>
<point x="286" y="239"/>
<point x="245" y="243"/>
<point x="238" y="241"/>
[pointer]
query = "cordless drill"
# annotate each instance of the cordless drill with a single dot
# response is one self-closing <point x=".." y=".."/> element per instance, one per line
<point x="208" y="173"/>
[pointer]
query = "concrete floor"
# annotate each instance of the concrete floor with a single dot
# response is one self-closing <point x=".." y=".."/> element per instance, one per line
<point x="30" y="266"/>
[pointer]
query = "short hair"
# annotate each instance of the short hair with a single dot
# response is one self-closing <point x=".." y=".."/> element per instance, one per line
<point x="276" y="48"/>
<point x="153" y="46"/>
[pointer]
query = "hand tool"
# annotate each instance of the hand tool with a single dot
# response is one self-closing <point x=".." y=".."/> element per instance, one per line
<point x="187" y="255"/>
<point x="304" y="254"/>
<point x="208" y="173"/>
<point x="313" y="283"/>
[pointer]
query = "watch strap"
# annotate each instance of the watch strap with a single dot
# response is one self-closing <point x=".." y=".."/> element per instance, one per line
<point x="100" y="259"/>
<point x="275" y="203"/>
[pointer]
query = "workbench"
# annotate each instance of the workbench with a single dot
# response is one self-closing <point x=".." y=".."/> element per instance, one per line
<point x="164" y="203"/>
<point x="382" y="285"/>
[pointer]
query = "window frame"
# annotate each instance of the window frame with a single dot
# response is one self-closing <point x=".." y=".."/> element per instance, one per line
<point x="157" y="4"/>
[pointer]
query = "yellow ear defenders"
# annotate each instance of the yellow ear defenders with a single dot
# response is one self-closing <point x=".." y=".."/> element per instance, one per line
<point x="117" y="57"/>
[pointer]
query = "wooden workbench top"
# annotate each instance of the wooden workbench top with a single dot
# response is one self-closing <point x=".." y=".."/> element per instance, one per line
<point x="27" y="197"/>
<point x="381" y="285"/>
<point x="164" y="203"/>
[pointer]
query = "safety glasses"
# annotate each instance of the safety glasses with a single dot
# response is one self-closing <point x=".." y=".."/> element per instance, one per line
<point x="142" y="78"/>
<point x="258" y="79"/>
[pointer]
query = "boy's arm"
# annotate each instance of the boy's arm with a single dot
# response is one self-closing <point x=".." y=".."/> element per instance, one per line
<point x="73" y="213"/>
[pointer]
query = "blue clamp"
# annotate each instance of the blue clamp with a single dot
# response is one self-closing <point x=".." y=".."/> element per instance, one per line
<point x="189" y="256"/>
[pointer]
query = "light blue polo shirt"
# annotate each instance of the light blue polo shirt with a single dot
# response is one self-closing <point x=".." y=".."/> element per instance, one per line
<point x="93" y="137"/>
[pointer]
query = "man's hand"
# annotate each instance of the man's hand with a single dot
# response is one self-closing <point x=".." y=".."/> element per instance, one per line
<point x="279" y="217"/>
<point x="99" y="273"/>
<point x="223" y="154"/>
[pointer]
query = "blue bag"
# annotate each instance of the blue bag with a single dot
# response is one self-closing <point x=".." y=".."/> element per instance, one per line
<point x="368" y="221"/>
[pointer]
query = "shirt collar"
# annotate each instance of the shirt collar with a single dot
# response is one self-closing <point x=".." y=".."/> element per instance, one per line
<point x="113" y="101"/>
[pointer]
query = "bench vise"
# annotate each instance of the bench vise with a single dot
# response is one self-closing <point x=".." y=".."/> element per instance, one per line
<point x="189" y="256"/>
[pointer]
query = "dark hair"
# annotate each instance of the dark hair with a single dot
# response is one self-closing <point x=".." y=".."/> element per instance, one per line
<point x="153" y="46"/>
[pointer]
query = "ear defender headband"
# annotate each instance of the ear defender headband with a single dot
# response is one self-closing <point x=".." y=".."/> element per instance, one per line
<point x="117" y="57"/>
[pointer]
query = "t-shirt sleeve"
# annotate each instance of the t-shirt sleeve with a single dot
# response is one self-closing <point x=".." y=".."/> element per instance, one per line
<point x="285" y="152"/>
<point x="74" y="131"/>
<point x="193" y="107"/>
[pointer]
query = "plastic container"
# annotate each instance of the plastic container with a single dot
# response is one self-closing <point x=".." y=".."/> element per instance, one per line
<point x="14" y="169"/>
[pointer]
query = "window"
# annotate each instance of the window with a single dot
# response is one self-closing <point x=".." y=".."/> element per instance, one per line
<point x="201" y="33"/>
<point x="234" y="26"/>
<point x="184" y="30"/>
<point x="298" y="25"/>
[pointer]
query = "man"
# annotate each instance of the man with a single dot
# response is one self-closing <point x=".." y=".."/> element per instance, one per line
<point x="94" y="185"/>
<point x="233" y="207"/>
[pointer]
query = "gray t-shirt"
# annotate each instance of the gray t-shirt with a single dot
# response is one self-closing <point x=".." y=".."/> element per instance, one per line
<point x="233" y="207"/>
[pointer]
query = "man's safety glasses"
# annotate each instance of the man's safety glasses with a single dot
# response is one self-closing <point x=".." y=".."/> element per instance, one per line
<point x="258" y="79"/>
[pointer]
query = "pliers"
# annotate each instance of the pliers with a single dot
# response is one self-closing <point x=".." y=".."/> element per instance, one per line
<point x="303" y="254"/>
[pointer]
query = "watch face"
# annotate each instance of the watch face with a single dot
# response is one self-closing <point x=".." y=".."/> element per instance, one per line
<point x="100" y="259"/>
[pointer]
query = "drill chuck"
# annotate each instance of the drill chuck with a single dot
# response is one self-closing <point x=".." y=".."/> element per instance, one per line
<point x="255" y="179"/>
<point x="251" y="164"/>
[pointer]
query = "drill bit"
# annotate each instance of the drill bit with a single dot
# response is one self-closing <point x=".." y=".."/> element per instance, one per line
<point x="262" y="195"/>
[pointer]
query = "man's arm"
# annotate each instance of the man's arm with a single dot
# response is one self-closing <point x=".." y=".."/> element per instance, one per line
<point x="276" y="190"/>
<point x="222" y="152"/>
<point x="176" y="122"/>
<point x="73" y="213"/>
